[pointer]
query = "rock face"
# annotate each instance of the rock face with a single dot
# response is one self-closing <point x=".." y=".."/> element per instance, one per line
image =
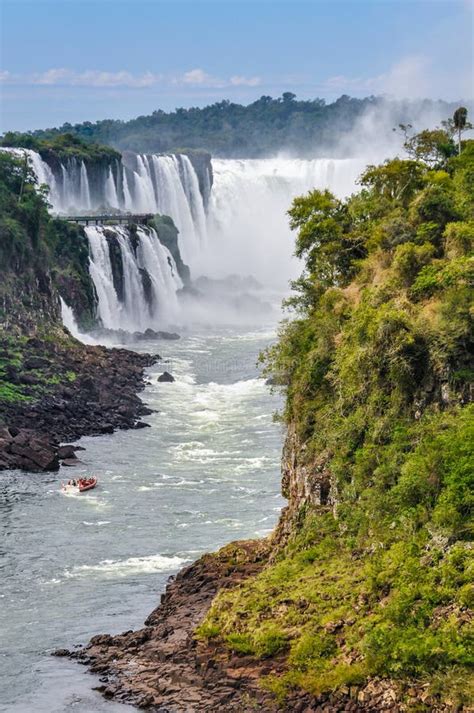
<point x="304" y="482"/>
<point x="27" y="449"/>
<point x="68" y="390"/>
<point x="168" y="236"/>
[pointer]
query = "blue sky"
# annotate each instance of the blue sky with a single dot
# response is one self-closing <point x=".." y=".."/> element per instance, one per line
<point x="66" y="60"/>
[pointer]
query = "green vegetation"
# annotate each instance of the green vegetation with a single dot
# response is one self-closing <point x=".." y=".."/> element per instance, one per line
<point x="23" y="379"/>
<point x="61" y="146"/>
<point x="260" y="129"/>
<point x="38" y="253"/>
<point x="377" y="580"/>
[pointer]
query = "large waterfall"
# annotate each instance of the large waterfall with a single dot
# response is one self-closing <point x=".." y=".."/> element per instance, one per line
<point x="247" y="226"/>
<point x="235" y="224"/>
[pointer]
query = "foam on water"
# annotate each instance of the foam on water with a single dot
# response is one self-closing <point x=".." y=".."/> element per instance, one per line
<point x="166" y="494"/>
<point x="132" y="565"/>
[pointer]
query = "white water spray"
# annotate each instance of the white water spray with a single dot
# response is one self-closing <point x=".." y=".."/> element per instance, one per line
<point x="247" y="227"/>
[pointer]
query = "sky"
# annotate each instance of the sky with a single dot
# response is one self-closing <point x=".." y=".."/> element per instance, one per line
<point x="85" y="60"/>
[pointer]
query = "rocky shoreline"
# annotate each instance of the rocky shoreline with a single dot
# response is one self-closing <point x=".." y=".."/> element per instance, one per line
<point x="164" y="667"/>
<point x="64" y="390"/>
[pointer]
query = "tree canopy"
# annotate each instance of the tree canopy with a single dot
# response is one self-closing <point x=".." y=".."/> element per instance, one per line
<point x="262" y="128"/>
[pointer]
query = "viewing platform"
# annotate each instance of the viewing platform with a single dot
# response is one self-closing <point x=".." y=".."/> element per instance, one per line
<point x="112" y="219"/>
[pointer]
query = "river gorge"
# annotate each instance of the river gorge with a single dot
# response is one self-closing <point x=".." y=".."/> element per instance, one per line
<point x="207" y="471"/>
<point x="195" y="290"/>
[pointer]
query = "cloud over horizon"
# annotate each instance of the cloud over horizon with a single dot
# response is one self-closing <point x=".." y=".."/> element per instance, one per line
<point x="62" y="76"/>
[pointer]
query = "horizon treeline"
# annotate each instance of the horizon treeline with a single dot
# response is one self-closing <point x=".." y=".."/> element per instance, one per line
<point x="227" y="129"/>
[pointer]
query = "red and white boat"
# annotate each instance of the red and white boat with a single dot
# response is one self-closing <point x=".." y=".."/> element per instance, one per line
<point x="80" y="485"/>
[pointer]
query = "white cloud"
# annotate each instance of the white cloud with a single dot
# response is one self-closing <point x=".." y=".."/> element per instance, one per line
<point x="239" y="81"/>
<point x="199" y="77"/>
<point x="93" y="78"/>
<point x="61" y="76"/>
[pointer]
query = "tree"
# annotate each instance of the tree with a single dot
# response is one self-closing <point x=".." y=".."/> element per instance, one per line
<point x="395" y="180"/>
<point x="324" y="239"/>
<point x="461" y="123"/>
<point x="432" y="146"/>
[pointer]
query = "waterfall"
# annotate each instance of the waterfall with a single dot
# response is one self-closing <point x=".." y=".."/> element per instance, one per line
<point x="70" y="323"/>
<point x="148" y="183"/>
<point x="111" y="194"/>
<point x="245" y="227"/>
<point x="247" y="221"/>
<point x="84" y="191"/>
<point x="149" y="274"/>
<point x="240" y="226"/>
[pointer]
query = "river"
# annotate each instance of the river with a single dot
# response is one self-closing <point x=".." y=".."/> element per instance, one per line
<point x="205" y="473"/>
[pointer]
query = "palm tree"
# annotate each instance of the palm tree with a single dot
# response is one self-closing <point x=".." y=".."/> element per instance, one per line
<point x="461" y="123"/>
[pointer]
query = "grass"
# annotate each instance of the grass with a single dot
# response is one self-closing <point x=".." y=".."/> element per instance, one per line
<point x="341" y="619"/>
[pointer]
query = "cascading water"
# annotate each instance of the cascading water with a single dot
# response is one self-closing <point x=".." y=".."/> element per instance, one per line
<point x="141" y="183"/>
<point x="240" y="225"/>
<point x="245" y="227"/>
<point x="247" y="224"/>
<point x="148" y="275"/>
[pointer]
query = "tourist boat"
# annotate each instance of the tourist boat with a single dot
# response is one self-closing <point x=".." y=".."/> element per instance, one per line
<point x="80" y="485"/>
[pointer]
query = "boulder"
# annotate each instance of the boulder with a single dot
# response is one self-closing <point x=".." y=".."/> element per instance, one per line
<point x="152" y="334"/>
<point x="36" y="455"/>
<point x="166" y="376"/>
<point x="106" y="428"/>
<point x="66" y="452"/>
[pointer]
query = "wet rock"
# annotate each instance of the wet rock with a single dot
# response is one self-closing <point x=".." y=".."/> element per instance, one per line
<point x="61" y="652"/>
<point x="36" y="362"/>
<point x="70" y="462"/>
<point x="107" y="428"/>
<point x="151" y="334"/>
<point x="34" y="452"/>
<point x="166" y="377"/>
<point x="67" y="451"/>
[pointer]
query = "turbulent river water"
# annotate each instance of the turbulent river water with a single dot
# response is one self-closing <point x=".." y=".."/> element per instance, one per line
<point x="205" y="473"/>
